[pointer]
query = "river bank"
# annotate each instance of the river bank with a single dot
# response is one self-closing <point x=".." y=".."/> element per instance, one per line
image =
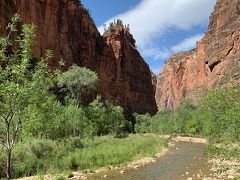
<point x="226" y="161"/>
<point x="180" y="160"/>
<point x="106" y="153"/>
<point x="185" y="158"/>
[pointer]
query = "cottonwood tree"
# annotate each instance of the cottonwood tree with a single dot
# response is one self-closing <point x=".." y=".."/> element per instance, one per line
<point x="78" y="81"/>
<point x="20" y="84"/>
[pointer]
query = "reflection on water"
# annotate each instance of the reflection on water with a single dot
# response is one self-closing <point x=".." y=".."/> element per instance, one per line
<point x="183" y="160"/>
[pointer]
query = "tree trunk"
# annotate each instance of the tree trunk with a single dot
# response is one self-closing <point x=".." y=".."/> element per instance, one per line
<point x="9" y="155"/>
<point x="74" y="132"/>
<point x="9" y="152"/>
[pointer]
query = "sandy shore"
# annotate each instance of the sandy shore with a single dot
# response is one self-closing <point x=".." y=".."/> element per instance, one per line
<point x="190" y="139"/>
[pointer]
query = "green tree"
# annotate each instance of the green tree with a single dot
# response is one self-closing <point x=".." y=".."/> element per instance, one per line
<point x="119" y="22"/>
<point x="184" y="118"/>
<point x="45" y="118"/>
<point x="222" y="122"/>
<point x="163" y="122"/>
<point x="105" y="118"/>
<point x="76" y="120"/>
<point x="78" y="81"/>
<point x="21" y="84"/>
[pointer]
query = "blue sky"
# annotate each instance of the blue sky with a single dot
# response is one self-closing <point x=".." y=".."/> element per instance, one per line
<point x="160" y="27"/>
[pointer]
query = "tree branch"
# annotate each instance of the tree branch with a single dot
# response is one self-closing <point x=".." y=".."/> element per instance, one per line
<point x="15" y="132"/>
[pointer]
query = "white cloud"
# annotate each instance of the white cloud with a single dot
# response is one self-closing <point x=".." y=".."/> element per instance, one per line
<point x="187" y="44"/>
<point x="151" y="18"/>
<point x="163" y="53"/>
<point x="156" y="53"/>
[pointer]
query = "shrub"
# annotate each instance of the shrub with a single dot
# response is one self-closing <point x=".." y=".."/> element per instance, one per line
<point x="142" y="123"/>
<point x="192" y="126"/>
<point x="105" y="118"/>
<point x="76" y="143"/>
<point x="43" y="148"/>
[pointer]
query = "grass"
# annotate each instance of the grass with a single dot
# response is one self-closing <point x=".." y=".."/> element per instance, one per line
<point x="117" y="151"/>
<point x="224" y="151"/>
<point x="46" y="156"/>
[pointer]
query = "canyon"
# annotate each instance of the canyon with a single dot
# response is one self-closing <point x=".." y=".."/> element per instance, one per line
<point x="66" y="28"/>
<point x="214" y="63"/>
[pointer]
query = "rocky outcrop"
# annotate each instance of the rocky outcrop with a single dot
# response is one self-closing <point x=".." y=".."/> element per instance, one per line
<point x="125" y="76"/>
<point x="214" y="63"/>
<point x="66" y="28"/>
<point x="184" y="76"/>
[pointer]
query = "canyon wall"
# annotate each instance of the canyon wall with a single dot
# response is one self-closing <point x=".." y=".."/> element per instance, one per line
<point x="66" y="28"/>
<point x="214" y="63"/>
<point x="126" y="78"/>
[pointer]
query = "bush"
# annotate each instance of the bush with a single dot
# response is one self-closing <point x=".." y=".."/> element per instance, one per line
<point x="192" y="126"/>
<point x="43" y="148"/>
<point x="142" y="123"/>
<point x="105" y="118"/>
<point x="76" y="143"/>
<point x="33" y="158"/>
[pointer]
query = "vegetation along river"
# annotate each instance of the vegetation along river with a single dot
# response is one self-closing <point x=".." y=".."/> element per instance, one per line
<point x="185" y="160"/>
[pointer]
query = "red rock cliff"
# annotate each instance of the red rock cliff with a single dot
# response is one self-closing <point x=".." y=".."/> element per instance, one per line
<point x="65" y="27"/>
<point x="126" y="78"/>
<point x="214" y="63"/>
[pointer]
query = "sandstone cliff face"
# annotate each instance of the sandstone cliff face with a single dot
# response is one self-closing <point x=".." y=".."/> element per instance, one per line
<point x="214" y="63"/>
<point x="65" y="27"/>
<point x="184" y="76"/>
<point x="126" y="78"/>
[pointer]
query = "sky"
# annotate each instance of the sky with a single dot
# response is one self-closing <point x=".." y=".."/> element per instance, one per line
<point x="160" y="27"/>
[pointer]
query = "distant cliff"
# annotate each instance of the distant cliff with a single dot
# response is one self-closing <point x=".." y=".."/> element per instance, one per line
<point x="66" y="27"/>
<point x="214" y="63"/>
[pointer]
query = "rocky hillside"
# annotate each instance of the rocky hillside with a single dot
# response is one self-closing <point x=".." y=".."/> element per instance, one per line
<point x="214" y="63"/>
<point x="66" y="27"/>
